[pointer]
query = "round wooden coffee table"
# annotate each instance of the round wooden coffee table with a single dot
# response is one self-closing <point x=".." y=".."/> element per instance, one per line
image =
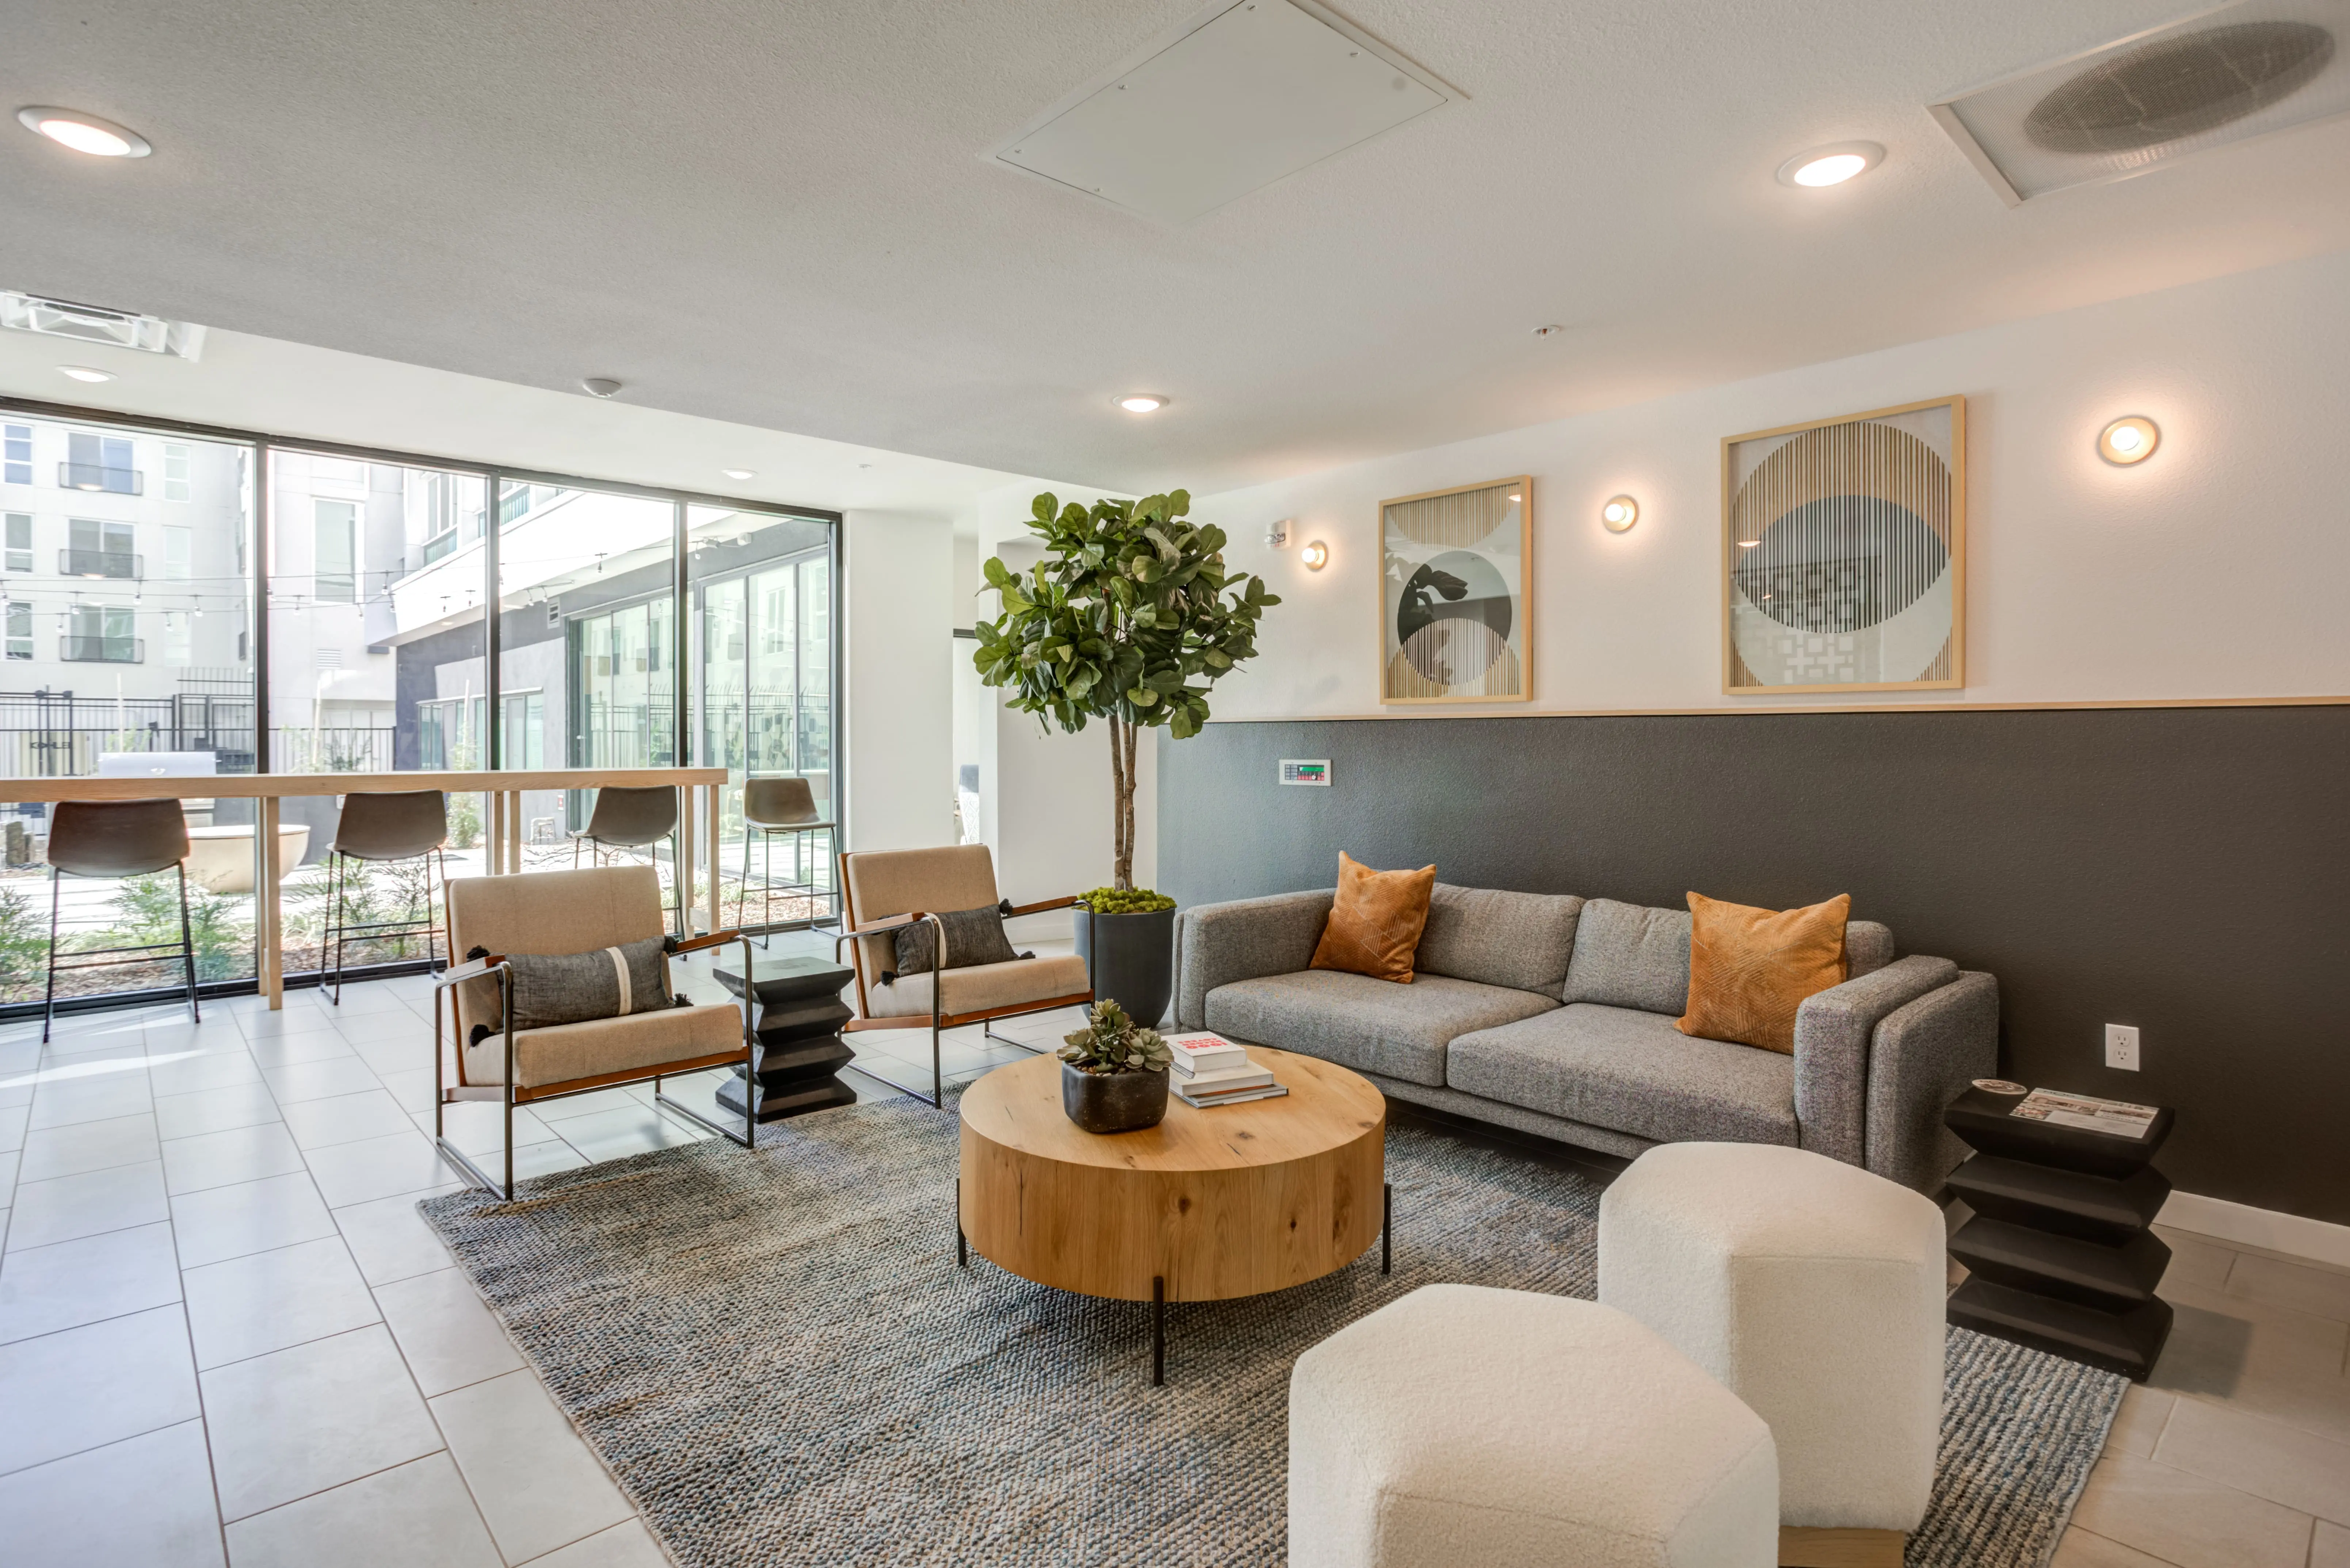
<point x="1207" y="1205"/>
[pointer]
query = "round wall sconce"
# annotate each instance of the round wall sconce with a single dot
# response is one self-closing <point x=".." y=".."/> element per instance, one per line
<point x="1315" y="555"/>
<point x="1620" y="513"/>
<point x="2129" y="440"/>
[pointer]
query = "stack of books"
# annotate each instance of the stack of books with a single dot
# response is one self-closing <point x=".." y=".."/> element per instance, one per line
<point x="1210" y="1070"/>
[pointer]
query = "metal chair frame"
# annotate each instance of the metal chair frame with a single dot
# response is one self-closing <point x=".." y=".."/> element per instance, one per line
<point x="510" y="1095"/>
<point x="938" y="1021"/>
<point x="338" y="934"/>
<point x="108" y="958"/>
<point x="767" y="885"/>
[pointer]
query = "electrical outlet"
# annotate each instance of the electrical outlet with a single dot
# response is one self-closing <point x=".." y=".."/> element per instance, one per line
<point x="2121" y="1046"/>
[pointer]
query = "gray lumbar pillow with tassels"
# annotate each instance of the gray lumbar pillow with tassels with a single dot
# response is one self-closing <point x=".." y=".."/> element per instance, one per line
<point x="575" y="988"/>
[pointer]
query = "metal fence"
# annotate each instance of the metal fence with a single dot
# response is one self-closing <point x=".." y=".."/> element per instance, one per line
<point x="61" y="733"/>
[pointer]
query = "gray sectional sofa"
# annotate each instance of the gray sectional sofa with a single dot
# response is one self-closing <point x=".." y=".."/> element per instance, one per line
<point x="1555" y="1015"/>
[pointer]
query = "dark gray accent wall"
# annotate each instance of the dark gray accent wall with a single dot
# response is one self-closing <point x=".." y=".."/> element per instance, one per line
<point x="2178" y="868"/>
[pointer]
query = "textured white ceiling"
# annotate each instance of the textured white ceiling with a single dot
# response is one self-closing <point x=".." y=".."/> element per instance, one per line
<point x="777" y="213"/>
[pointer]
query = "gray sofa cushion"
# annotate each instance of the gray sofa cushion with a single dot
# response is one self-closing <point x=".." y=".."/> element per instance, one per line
<point x="1631" y="1071"/>
<point x="1627" y="955"/>
<point x="1523" y="941"/>
<point x="1372" y="1025"/>
<point x="1867" y="948"/>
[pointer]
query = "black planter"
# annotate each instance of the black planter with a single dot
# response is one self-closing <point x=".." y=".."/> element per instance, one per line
<point x="1130" y="960"/>
<point x="1114" y="1102"/>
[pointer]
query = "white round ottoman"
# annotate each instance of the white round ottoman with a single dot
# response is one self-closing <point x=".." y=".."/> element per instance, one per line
<point x="1486" y="1428"/>
<point x="1813" y="1291"/>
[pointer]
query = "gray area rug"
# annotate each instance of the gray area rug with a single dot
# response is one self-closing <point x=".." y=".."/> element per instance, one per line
<point x="776" y="1356"/>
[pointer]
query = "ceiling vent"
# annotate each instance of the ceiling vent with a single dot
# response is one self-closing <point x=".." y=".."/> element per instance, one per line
<point x="2153" y="98"/>
<point x="96" y="324"/>
<point x="1240" y="96"/>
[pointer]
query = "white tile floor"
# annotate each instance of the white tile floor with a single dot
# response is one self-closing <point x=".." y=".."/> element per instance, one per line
<point x="225" y="1335"/>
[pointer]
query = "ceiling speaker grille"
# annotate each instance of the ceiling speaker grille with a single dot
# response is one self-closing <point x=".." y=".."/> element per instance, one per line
<point x="2144" y="101"/>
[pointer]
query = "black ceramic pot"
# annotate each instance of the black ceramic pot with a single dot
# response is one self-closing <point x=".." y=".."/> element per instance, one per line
<point x="1114" y="1102"/>
<point x="1130" y="960"/>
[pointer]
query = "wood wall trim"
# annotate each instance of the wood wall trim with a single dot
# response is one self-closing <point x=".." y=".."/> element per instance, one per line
<point x="2091" y="706"/>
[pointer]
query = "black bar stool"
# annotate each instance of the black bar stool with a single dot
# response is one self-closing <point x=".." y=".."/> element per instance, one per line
<point x="117" y="838"/>
<point x="625" y="818"/>
<point x="383" y="827"/>
<point x="771" y="806"/>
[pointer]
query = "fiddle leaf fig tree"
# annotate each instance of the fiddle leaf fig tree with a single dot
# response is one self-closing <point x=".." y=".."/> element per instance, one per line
<point x="1130" y="617"/>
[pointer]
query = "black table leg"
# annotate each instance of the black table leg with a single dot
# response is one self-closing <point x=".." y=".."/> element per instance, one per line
<point x="962" y="1250"/>
<point x="1387" y="1226"/>
<point x="1158" y="1329"/>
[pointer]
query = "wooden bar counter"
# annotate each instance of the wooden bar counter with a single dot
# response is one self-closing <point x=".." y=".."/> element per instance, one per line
<point x="502" y="828"/>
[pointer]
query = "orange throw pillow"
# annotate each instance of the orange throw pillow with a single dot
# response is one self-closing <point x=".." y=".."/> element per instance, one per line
<point x="1750" y="968"/>
<point x="1375" y="926"/>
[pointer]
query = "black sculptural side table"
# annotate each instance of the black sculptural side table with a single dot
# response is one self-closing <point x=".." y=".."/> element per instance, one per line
<point x="2060" y="1254"/>
<point x="796" y="1013"/>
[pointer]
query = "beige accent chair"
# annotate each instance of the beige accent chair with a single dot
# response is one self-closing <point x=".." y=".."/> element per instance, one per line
<point x="884" y="890"/>
<point x="556" y="912"/>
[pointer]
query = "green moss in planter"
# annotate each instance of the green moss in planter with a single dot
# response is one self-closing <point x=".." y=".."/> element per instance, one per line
<point x="1124" y="901"/>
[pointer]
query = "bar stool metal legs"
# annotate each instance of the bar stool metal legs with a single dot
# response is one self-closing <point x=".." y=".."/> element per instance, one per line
<point x="382" y="827"/>
<point x="101" y="958"/>
<point x="341" y="931"/>
<point x="118" y="839"/>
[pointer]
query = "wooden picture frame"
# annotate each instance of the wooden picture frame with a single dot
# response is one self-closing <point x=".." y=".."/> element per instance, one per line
<point x="1457" y="548"/>
<point x="1853" y="567"/>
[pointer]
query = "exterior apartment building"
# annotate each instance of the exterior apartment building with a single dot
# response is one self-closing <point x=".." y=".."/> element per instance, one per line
<point x="126" y="584"/>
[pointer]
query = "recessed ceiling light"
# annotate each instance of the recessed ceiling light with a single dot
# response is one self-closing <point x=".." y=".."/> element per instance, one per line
<point x="1830" y="166"/>
<point x="1142" y="403"/>
<point x="2129" y="440"/>
<point x="599" y="387"/>
<point x="1552" y="330"/>
<point x="83" y="132"/>
<point x="740" y="473"/>
<point x="86" y="373"/>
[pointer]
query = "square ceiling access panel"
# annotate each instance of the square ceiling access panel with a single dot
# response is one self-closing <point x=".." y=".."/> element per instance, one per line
<point x="1237" y="97"/>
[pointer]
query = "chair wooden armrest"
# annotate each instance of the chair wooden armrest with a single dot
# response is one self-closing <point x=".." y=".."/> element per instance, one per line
<point x="471" y="971"/>
<point x="715" y="938"/>
<point x="1040" y="908"/>
<point x="893" y="923"/>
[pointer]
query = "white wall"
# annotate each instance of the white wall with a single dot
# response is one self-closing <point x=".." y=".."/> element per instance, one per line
<point x="898" y="637"/>
<point x="2213" y="569"/>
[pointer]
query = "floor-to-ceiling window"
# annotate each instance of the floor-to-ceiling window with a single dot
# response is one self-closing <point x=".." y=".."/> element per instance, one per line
<point x="586" y="646"/>
<point x="762" y="594"/>
<point x="126" y="643"/>
<point x="376" y="638"/>
<point x="129" y="559"/>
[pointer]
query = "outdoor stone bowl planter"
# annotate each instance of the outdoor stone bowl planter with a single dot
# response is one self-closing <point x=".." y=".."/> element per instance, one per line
<point x="1112" y="1102"/>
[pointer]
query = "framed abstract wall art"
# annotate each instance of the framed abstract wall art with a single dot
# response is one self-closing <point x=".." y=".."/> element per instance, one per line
<point x="1844" y="552"/>
<point x="1454" y="609"/>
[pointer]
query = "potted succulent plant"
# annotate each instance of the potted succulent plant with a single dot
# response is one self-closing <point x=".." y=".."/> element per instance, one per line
<point x="1130" y="618"/>
<point x="1114" y="1073"/>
